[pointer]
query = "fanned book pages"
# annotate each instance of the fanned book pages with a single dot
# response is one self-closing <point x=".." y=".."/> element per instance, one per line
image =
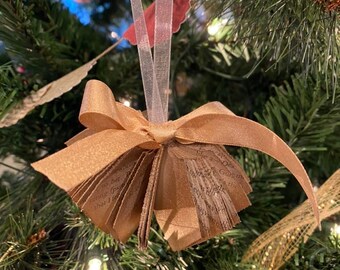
<point x="125" y="194"/>
<point x="218" y="190"/>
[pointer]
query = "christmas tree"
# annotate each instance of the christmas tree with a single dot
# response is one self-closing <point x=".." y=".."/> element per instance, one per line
<point x="275" y="62"/>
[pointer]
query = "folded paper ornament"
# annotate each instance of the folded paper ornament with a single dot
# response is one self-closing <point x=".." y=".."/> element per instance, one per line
<point x="123" y="168"/>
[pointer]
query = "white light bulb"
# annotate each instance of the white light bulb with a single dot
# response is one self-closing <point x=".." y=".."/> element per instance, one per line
<point x="336" y="230"/>
<point x="213" y="29"/>
<point x="114" y="35"/>
<point x="94" y="264"/>
<point x="217" y="26"/>
<point x="127" y="103"/>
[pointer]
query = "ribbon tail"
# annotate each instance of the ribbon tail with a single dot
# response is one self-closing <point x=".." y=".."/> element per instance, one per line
<point x="238" y="131"/>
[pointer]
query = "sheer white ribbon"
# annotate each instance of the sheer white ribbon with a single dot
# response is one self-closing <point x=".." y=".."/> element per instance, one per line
<point x="155" y="69"/>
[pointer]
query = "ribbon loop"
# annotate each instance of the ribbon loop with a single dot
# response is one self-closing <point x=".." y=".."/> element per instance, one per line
<point x="162" y="51"/>
<point x="99" y="110"/>
<point x="155" y="71"/>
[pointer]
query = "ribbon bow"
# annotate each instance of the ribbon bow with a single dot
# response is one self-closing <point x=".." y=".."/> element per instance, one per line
<point x="123" y="168"/>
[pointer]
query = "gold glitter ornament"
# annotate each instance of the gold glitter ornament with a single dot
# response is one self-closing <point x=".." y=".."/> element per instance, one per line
<point x="278" y="244"/>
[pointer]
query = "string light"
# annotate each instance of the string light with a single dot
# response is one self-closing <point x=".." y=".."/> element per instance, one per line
<point x="114" y="35"/>
<point x="94" y="264"/>
<point x="215" y="27"/>
<point x="336" y="230"/>
<point x="335" y="235"/>
<point x="126" y="102"/>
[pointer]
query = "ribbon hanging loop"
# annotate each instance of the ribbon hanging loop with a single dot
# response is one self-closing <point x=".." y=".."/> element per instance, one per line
<point x="155" y="69"/>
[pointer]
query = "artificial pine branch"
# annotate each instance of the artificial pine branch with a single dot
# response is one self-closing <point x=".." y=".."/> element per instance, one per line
<point x="289" y="33"/>
<point x="298" y="109"/>
<point x="41" y="43"/>
<point x="47" y="44"/>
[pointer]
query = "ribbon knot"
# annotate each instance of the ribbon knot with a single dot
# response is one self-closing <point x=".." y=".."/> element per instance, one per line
<point x="162" y="133"/>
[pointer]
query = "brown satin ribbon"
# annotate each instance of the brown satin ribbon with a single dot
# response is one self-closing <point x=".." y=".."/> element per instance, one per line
<point x="178" y="168"/>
